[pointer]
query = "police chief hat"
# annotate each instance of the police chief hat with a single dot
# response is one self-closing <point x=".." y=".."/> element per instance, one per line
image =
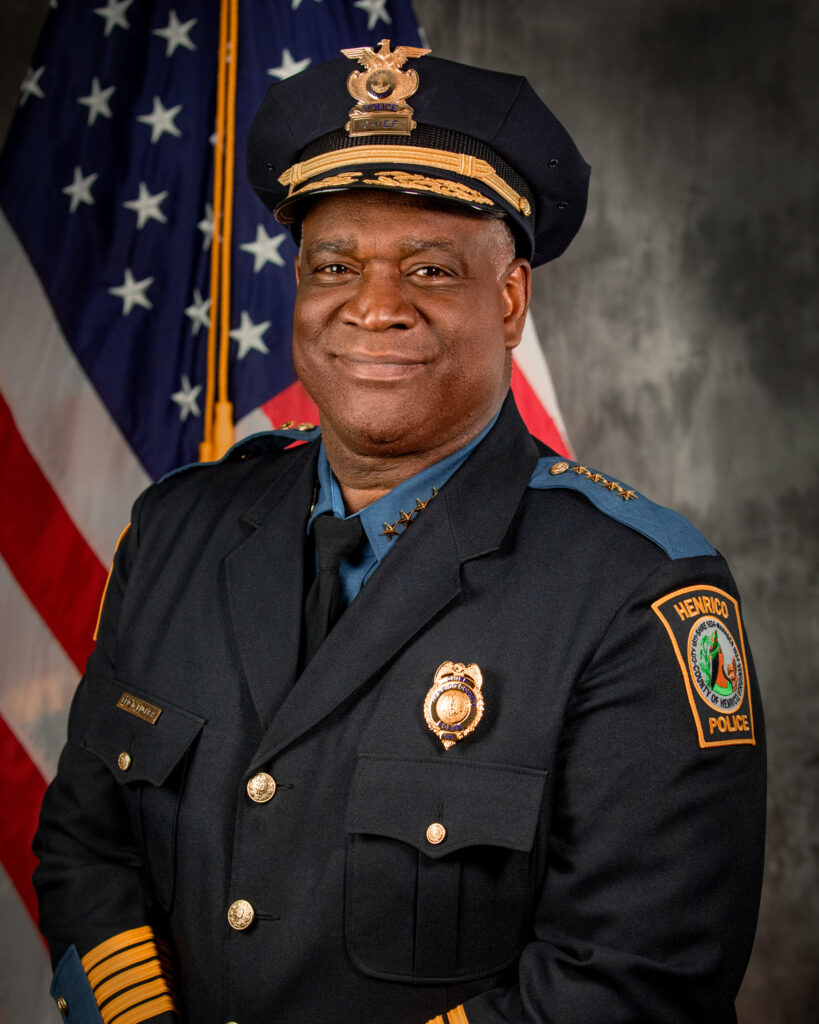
<point x="475" y="138"/>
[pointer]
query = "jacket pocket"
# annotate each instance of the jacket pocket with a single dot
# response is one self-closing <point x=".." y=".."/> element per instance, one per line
<point x="447" y="903"/>
<point x="147" y="753"/>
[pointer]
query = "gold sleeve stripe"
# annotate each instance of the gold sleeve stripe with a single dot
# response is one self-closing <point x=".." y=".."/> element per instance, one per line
<point x="145" y="1011"/>
<point x="457" y="1016"/>
<point x="107" y="581"/>
<point x="436" y="1020"/>
<point x="116" y="944"/>
<point x="143" y="972"/>
<point x="456" y="163"/>
<point x="113" y="1009"/>
<point x="145" y="951"/>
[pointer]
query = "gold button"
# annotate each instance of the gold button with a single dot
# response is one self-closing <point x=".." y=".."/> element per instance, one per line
<point x="124" y="761"/>
<point x="62" y="1005"/>
<point x="240" y="915"/>
<point x="261" y="788"/>
<point x="558" y="468"/>
<point x="436" y="833"/>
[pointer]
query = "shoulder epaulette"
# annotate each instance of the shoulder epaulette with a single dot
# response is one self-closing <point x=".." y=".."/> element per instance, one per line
<point x="256" y="444"/>
<point x="665" y="527"/>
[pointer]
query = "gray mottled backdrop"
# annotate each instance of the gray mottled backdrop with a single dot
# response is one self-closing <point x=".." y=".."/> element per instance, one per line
<point x="681" y="329"/>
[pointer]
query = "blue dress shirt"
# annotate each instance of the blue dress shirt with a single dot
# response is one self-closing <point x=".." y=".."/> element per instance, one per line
<point x="385" y="512"/>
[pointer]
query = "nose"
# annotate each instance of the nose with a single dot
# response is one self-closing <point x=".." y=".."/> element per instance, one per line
<point x="379" y="302"/>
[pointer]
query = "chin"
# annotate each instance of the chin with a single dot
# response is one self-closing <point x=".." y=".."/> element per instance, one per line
<point x="388" y="431"/>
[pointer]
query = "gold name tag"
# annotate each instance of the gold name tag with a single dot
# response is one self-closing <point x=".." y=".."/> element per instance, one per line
<point x="140" y="708"/>
<point x="384" y="124"/>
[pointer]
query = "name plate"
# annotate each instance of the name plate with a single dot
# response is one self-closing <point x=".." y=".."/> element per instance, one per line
<point x="140" y="708"/>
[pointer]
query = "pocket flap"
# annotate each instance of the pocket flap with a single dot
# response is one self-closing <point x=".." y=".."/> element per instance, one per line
<point x="139" y="745"/>
<point x="478" y="804"/>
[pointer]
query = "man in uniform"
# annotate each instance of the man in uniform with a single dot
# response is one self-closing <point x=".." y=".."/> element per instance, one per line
<point x="416" y="721"/>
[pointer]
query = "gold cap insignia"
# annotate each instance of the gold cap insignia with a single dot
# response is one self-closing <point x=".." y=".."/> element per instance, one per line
<point x="381" y="90"/>
<point x="454" y="704"/>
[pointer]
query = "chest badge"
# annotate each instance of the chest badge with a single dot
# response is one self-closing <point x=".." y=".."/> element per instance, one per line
<point x="454" y="703"/>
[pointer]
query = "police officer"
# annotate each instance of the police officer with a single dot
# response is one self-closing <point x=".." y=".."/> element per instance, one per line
<point x="416" y="721"/>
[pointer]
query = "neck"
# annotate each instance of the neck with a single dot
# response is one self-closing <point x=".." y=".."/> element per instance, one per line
<point x="366" y="474"/>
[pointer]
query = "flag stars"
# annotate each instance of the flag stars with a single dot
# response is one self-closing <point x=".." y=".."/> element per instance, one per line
<point x="30" y="86"/>
<point x="186" y="397"/>
<point x="296" y="4"/>
<point x="265" y="249"/>
<point x="248" y="336"/>
<point x="97" y="101"/>
<point x="176" y="33"/>
<point x="146" y="206"/>
<point x="375" y="10"/>
<point x="80" y="189"/>
<point x="114" y="14"/>
<point x="161" y="120"/>
<point x="133" y="292"/>
<point x="207" y="226"/>
<point x="198" y="311"/>
<point x="289" y="66"/>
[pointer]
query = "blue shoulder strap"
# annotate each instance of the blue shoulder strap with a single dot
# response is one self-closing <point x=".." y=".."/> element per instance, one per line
<point x="665" y="527"/>
<point x="256" y="444"/>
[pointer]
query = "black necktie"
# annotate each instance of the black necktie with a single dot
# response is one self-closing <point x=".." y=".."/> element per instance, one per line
<point x="335" y="539"/>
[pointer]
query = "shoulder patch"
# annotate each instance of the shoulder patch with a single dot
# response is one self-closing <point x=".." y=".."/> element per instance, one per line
<point x="256" y="444"/>
<point x="665" y="527"/>
<point x="704" y="625"/>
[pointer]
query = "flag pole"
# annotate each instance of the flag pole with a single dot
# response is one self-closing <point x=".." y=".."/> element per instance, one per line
<point x="218" y="414"/>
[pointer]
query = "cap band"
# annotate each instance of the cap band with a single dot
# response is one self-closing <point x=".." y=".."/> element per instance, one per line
<point x="455" y="163"/>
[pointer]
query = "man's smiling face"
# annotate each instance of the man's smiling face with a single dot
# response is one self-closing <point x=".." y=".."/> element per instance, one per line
<point x="406" y="315"/>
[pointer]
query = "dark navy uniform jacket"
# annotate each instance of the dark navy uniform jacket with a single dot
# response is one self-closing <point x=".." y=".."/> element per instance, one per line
<point x="603" y="842"/>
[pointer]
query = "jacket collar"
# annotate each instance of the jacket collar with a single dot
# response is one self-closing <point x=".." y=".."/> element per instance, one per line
<point x="469" y="519"/>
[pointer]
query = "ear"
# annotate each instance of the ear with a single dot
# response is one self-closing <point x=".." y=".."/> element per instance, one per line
<point x="297" y="267"/>
<point x="517" y="290"/>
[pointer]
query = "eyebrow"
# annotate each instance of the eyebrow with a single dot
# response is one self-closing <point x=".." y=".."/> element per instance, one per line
<point x="407" y="246"/>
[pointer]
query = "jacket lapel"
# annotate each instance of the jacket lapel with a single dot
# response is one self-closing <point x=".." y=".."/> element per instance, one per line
<point x="414" y="582"/>
<point x="265" y="582"/>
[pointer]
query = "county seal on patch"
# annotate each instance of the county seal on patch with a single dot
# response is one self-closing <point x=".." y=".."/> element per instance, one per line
<point x="706" y="632"/>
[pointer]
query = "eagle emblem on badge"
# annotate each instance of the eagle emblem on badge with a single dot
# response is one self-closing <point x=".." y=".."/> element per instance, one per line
<point x="381" y="89"/>
<point x="454" y="703"/>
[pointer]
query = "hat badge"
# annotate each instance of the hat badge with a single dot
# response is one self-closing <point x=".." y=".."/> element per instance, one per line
<point x="454" y="703"/>
<point x="381" y="90"/>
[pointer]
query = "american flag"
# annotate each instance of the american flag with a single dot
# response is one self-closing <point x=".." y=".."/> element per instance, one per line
<point x="106" y="186"/>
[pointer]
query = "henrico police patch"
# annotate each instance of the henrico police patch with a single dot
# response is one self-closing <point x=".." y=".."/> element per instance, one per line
<point x="705" y="629"/>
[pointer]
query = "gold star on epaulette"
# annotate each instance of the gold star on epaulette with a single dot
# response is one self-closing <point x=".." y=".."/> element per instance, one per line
<point x="390" y="531"/>
<point x="406" y="518"/>
<point x="558" y="468"/>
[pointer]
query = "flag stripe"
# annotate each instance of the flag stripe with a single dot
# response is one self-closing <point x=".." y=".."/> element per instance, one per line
<point x="45" y="551"/>
<point x="22" y="794"/>
<point x="534" y="414"/>
<point x="26" y="971"/>
<point x="531" y="361"/>
<point x="37" y="678"/>
<point x="66" y="427"/>
<point x="291" y="404"/>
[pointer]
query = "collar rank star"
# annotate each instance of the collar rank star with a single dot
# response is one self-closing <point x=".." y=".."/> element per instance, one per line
<point x="454" y="703"/>
<point x="381" y="90"/>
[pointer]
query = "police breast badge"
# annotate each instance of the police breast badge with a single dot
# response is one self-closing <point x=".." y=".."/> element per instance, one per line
<point x="706" y="632"/>
<point x="381" y="90"/>
<point x="454" y="703"/>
